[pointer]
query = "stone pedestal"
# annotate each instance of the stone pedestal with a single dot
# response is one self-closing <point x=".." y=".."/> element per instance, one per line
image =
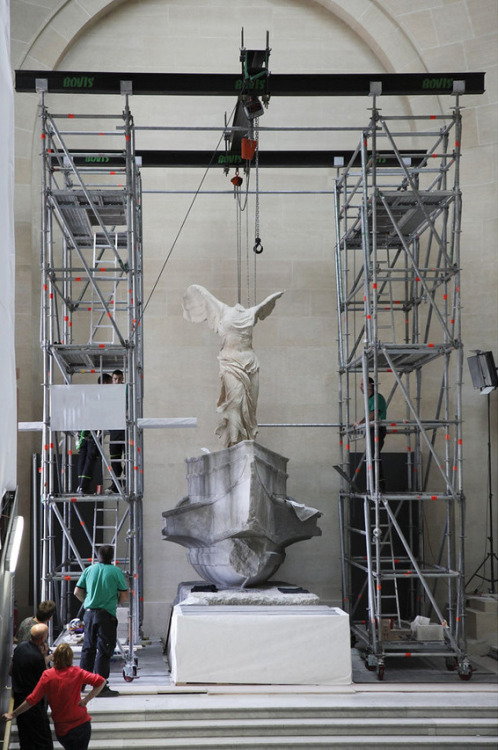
<point x="237" y="519"/>
<point x="290" y="640"/>
<point x="481" y="619"/>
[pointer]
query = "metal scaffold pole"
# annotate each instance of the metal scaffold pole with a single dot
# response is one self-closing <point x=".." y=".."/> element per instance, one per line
<point x="91" y="326"/>
<point x="397" y="264"/>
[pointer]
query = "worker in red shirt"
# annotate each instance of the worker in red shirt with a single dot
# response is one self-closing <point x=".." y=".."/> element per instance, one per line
<point x="62" y="687"/>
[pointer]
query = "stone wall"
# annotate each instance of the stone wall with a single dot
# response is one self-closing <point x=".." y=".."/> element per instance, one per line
<point x="296" y="346"/>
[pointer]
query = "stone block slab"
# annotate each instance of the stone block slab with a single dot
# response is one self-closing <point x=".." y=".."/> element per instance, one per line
<point x="483" y="603"/>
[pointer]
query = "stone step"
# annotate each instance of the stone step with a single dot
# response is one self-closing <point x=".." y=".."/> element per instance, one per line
<point x="248" y="733"/>
<point x="291" y="727"/>
<point x="400" y="742"/>
<point x="284" y="713"/>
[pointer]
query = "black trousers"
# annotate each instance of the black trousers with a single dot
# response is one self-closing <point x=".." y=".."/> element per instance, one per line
<point x="33" y="726"/>
<point x="382" y="436"/>
<point x="87" y="457"/>
<point x="117" y="450"/>
<point x="77" y="738"/>
<point x="99" y="641"/>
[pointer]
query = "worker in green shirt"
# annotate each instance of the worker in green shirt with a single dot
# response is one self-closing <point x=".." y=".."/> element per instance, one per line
<point x="374" y="396"/>
<point x="101" y="587"/>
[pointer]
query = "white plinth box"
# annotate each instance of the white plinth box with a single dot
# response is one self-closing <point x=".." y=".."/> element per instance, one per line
<point x="273" y="645"/>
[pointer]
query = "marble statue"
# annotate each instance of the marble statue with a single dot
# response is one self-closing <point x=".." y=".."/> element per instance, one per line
<point x="237" y="519"/>
<point x="239" y="367"/>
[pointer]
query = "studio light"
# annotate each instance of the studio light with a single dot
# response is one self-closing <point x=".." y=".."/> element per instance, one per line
<point x="483" y="371"/>
<point x="485" y="378"/>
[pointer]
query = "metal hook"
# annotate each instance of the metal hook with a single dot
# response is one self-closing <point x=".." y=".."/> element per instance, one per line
<point x="258" y="247"/>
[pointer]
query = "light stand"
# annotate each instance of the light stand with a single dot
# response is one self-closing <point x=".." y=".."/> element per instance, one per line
<point x="485" y="377"/>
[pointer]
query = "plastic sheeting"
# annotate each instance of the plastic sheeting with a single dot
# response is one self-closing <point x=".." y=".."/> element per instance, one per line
<point x="88" y="407"/>
<point x="8" y="401"/>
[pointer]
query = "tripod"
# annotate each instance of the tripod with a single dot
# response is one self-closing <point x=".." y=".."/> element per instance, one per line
<point x="491" y="556"/>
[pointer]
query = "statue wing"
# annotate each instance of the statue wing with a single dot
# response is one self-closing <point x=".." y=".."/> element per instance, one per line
<point x="200" y="305"/>
<point x="266" y="307"/>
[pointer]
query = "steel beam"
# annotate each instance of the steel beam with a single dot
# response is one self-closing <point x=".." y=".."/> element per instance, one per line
<point x="203" y="159"/>
<point x="228" y="84"/>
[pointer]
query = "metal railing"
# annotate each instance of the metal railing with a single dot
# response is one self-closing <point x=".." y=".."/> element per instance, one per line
<point x="10" y="529"/>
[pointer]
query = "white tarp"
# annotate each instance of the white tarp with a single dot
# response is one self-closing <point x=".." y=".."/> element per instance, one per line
<point x="8" y="401"/>
<point x="282" y="645"/>
<point x="88" y="407"/>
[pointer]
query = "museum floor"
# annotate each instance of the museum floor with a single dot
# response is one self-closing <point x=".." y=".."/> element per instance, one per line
<point x="154" y="676"/>
<point x="417" y="705"/>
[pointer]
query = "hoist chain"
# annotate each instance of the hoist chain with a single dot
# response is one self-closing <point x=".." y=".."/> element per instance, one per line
<point x="239" y="245"/>
<point x="258" y="247"/>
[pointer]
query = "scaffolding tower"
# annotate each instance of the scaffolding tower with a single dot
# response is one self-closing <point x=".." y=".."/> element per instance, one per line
<point x="397" y="262"/>
<point x="91" y="309"/>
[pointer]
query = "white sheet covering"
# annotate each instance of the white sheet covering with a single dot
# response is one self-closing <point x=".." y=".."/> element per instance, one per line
<point x="88" y="407"/>
<point x="260" y="645"/>
<point x="8" y="401"/>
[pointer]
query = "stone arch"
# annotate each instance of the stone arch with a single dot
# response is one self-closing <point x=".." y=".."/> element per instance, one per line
<point x="374" y="25"/>
<point x="62" y="28"/>
<point x="380" y="31"/>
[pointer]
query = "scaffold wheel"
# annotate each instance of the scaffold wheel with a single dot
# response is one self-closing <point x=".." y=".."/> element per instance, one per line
<point x="129" y="672"/>
<point x="380" y="671"/>
<point x="465" y="670"/>
<point x="371" y="662"/>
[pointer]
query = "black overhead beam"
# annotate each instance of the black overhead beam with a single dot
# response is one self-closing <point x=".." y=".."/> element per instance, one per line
<point x="224" y="84"/>
<point x="268" y="159"/>
<point x="204" y="159"/>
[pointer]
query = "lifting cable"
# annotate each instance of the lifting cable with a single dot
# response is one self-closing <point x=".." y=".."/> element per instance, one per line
<point x="238" y="219"/>
<point x="240" y="207"/>
<point x="189" y="209"/>
<point x="258" y="247"/>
